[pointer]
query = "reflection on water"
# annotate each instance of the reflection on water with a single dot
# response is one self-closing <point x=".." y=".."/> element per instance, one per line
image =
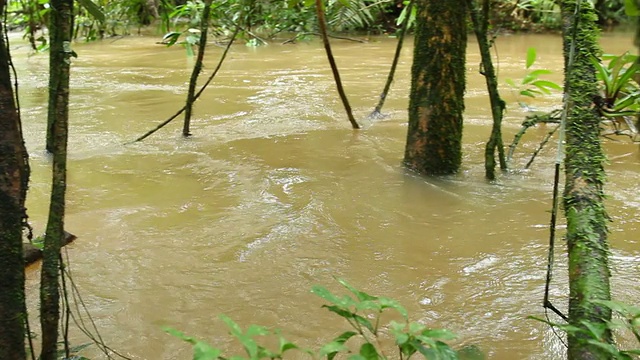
<point x="275" y="193"/>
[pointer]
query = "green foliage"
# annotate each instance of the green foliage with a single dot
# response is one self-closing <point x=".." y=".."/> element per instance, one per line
<point x="544" y="12"/>
<point x="627" y="319"/>
<point x="403" y="15"/>
<point x="362" y="312"/>
<point x="620" y="92"/>
<point x="531" y="85"/>
<point x="631" y="8"/>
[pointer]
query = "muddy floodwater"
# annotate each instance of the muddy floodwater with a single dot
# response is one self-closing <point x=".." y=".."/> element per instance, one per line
<point x="275" y="193"/>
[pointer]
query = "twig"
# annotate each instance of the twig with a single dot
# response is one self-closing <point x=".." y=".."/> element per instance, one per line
<point x="293" y="39"/>
<point x="542" y="144"/>
<point x="550" y="118"/>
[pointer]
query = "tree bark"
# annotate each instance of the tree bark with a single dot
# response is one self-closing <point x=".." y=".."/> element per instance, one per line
<point x="197" y="68"/>
<point x="480" y="19"/>
<point x="584" y="176"/>
<point x="60" y="53"/>
<point x="436" y="104"/>
<point x="14" y="176"/>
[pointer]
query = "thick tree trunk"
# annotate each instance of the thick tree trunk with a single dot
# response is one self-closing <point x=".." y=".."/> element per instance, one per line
<point x="204" y="27"/>
<point x="434" y="138"/>
<point x="14" y="175"/>
<point x="60" y="51"/>
<point x="480" y="18"/>
<point x="583" y="197"/>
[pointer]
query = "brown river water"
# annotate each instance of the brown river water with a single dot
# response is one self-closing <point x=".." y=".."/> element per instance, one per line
<point x="275" y="193"/>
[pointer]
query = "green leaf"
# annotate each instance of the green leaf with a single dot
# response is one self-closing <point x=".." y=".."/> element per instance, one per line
<point x="428" y="353"/>
<point x="596" y="330"/>
<point x="415" y="327"/>
<point x="407" y="349"/>
<point x="368" y="352"/>
<point x="369" y="305"/>
<point x="286" y="345"/>
<point x="340" y="311"/>
<point x="362" y="296"/>
<point x="529" y="92"/>
<point x="439" y="334"/>
<point x="392" y="304"/>
<point x="233" y="326"/>
<point x="255" y="330"/>
<point x="623" y="79"/>
<point x="401" y="338"/>
<point x="180" y="335"/>
<point x="189" y="49"/>
<point x="631" y="8"/>
<point x="546" y="85"/>
<point x="331" y="349"/>
<point x="364" y="322"/>
<point x="343" y="302"/>
<point x="202" y="351"/>
<point x="334" y="347"/>
<point x="93" y="9"/>
<point x="531" y="57"/>
<point x="620" y="308"/>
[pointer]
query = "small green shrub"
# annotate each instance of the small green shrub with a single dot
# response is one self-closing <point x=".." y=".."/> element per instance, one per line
<point x="362" y="312"/>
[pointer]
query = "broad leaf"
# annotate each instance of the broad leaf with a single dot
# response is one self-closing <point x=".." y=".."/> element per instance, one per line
<point x="359" y="294"/>
<point x="631" y="8"/>
<point x="368" y="351"/>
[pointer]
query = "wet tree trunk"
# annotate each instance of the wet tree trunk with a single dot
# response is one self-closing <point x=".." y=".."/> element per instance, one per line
<point x="584" y="172"/>
<point x="480" y="19"/>
<point x="60" y="53"/>
<point x="434" y="138"/>
<point x="14" y="175"/>
<point x="197" y="68"/>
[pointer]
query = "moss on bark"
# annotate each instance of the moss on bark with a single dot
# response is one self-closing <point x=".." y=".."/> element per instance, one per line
<point x="14" y="173"/>
<point x="585" y="176"/>
<point x="434" y="138"/>
<point x="60" y="53"/>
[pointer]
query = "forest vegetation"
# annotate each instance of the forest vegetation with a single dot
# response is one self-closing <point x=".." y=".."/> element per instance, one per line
<point x="599" y="92"/>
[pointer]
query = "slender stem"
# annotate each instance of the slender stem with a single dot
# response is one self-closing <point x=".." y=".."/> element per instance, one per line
<point x="394" y="64"/>
<point x="332" y="62"/>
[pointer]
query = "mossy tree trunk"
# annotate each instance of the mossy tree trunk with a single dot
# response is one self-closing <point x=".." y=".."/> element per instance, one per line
<point x="14" y="175"/>
<point x="480" y="19"/>
<point x="60" y="53"/>
<point x="434" y="138"/>
<point x="585" y="176"/>
<point x="197" y="68"/>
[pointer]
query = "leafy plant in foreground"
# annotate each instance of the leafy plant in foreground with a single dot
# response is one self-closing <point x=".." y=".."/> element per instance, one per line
<point x="362" y="311"/>
<point x="627" y="320"/>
